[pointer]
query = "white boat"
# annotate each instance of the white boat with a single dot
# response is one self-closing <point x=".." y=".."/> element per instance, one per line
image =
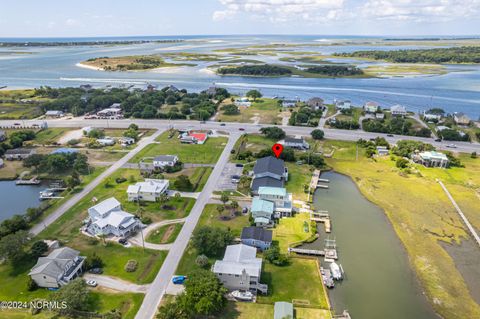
<point x="336" y="271"/>
<point x="45" y="194"/>
<point x="242" y="295"/>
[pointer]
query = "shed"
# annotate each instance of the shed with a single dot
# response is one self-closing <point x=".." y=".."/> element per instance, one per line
<point x="283" y="310"/>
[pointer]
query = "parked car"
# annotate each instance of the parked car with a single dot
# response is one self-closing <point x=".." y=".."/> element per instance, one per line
<point x="235" y="178"/>
<point x="390" y="135"/>
<point x="179" y="280"/>
<point x="97" y="271"/>
<point x="238" y="165"/>
<point x="91" y="283"/>
<point x="241" y="129"/>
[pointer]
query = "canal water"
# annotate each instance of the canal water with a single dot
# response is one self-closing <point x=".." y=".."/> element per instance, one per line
<point x="16" y="199"/>
<point x="379" y="282"/>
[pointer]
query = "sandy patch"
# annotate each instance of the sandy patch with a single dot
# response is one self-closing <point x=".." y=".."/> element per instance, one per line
<point x="206" y="71"/>
<point x="80" y="65"/>
<point x="70" y="135"/>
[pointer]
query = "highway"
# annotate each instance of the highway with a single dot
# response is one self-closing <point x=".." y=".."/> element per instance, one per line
<point x="157" y="288"/>
<point x="334" y="134"/>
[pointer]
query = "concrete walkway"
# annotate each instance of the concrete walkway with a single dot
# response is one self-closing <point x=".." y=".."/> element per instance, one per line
<point x="137" y="239"/>
<point x="116" y="283"/>
<point x="462" y="216"/>
<point x="88" y="188"/>
<point x="159" y="286"/>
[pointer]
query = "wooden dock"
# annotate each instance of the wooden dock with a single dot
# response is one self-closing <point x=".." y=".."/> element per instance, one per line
<point x="306" y="251"/>
<point x="32" y="181"/>
<point x="322" y="217"/>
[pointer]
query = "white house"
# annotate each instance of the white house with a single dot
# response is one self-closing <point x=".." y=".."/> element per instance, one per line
<point x="240" y="269"/>
<point x="431" y="116"/>
<point x="382" y="150"/>
<point x="58" y="268"/>
<point x="371" y="107"/>
<point x="343" y="104"/>
<point x="106" y="141"/>
<point x="125" y="141"/>
<point x="149" y="190"/>
<point x="298" y="143"/>
<point x="165" y="160"/>
<point x="108" y="218"/>
<point x="398" y="110"/>
<point x="379" y="116"/>
<point x="431" y="159"/>
<point x="289" y="103"/>
<point x="244" y="101"/>
<point x="114" y="111"/>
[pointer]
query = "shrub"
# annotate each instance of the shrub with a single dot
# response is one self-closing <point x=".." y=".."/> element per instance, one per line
<point x="31" y="285"/>
<point x="202" y="261"/>
<point x="402" y="163"/>
<point x="131" y="265"/>
<point x="120" y="180"/>
<point x="317" y="134"/>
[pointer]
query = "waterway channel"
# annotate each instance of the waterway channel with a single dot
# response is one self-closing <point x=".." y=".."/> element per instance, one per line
<point x="16" y="199"/>
<point x="379" y="282"/>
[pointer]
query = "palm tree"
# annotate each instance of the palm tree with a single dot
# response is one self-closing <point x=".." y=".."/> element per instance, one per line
<point x="224" y="199"/>
<point x="234" y="204"/>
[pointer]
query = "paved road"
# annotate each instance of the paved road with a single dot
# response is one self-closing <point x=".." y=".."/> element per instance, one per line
<point x="333" y="134"/>
<point x="88" y="188"/>
<point x="116" y="283"/>
<point x="158" y="287"/>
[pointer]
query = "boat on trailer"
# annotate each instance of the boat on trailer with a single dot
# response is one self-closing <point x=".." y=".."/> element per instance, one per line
<point x="242" y="295"/>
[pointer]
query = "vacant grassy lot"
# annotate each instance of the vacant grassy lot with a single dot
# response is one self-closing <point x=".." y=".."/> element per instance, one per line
<point x="50" y="135"/>
<point x="210" y="217"/>
<point x="10" y="169"/>
<point x="264" y="111"/>
<point x="165" y="234"/>
<point x="422" y="215"/>
<point x="298" y="177"/>
<point x="300" y="280"/>
<point x="207" y="153"/>
<point x="292" y="230"/>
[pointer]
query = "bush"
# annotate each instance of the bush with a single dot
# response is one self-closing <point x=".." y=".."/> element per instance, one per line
<point x="317" y="134"/>
<point x="202" y="261"/>
<point x="31" y="285"/>
<point x="73" y="142"/>
<point x="131" y="265"/>
<point x="120" y="180"/>
<point x="402" y="163"/>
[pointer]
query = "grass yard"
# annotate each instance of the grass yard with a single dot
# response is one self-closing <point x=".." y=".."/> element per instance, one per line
<point x="422" y="215"/>
<point x="251" y="142"/>
<point x="292" y="230"/>
<point x="300" y="280"/>
<point x="50" y="135"/>
<point x="15" y="111"/>
<point x="101" y="156"/>
<point x="264" y="111"/>
<point x="247" y="310"/>
<point x="210" y="217"/>
<point x="197" y="175"/>
<point x="298" y="177"/>
<point x="165" y="234"/>
<point x="207" y="153"/>
<point x="126" y="303"/>
<point x="11" y="169"/>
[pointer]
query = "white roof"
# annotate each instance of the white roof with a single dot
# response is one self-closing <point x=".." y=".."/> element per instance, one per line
<point x="106" y="206"/>
<point x="115" y="219"/>
<point x="133" y="189"/>
<point x="237" y="259"/>
<point x="398" y="108"/>
<point x="148" y="186"/>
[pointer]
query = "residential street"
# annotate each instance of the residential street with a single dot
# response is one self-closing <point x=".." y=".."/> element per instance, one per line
<point x="159" y="285"/>
<point x="88" y="188"/>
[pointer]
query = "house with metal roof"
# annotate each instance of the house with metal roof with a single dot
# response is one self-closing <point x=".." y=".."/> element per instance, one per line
<point x="283" y="201"/>
<point x="371" y="107"/>
<point x="162" y="161"/>
<point x="256" y="237"/>
<point x="19" y="153"/>
<point x="297" y="143"/>
<point x="283" y="310"/>
<point x="58" y="268"/>
<point x="108" y="218"/>
<point x="240" y="269"/>
<point x="64" y="150"/>
<point x="262" y="211"/>
<point x="431" y="159"/>
<point x="54" y="113"/>
<point x="398" y="110"/>
<point x="150" y="190"/>
<point x="269" y="171"/>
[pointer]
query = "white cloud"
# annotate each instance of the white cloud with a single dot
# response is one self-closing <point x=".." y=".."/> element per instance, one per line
<point x="72" y="22"/>
<point x="420" y="11"/>
<point x="282" y="10"/>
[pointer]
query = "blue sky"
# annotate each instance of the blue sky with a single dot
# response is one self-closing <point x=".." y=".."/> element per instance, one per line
<point x="71" y="18"/>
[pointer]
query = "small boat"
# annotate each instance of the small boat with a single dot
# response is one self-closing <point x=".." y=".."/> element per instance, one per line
<point x="46" y="194"/>
<point x="242" y="295"/>
<point x="336" y="271"/>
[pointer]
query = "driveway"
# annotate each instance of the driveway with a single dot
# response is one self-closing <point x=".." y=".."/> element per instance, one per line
<point x="137" y="240"/>
<point x="159" y="285"/>
<point x="116" y="283"/>
<point x="88" y="188"/>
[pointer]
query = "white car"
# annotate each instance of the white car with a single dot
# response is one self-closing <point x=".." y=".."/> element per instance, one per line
<point x="91" y="283"/>
<point x="452" y="145"/>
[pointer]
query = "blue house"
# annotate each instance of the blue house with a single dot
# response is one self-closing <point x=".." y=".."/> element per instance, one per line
<point x="256" y="237"/>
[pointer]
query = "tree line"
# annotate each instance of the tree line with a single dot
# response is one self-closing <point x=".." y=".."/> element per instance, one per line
<point x="256" y="70"/>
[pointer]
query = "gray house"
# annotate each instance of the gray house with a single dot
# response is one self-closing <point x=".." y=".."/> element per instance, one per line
<point x="240" y="269"/>
<point x="297" y="143"/>
<point x="257" y="237"/>
<point x="165" y="160"/>
<point x="19" y="153"/>
<point x="269" y="171"/>
<point x="58" y="268"/>
<point x="108" y="218"/>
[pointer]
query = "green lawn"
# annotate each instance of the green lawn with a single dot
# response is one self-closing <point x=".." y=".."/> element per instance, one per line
<point x="126" y="303"/>
<point x="210" y="217"/>
<point x="14" y="111"/>
<point x="50" y="135"/>
<point x="300" y="280"/>
<point x="165" y="234"/>
<point x="207" y="153"/>
<point x="264" y="111"/>
<point x="298" y="177"/>
<point x="292" y="230"/>
<point x="197" y="175"/>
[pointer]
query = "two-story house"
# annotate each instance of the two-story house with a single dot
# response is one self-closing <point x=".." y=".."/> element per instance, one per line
<point x="240" y="269"/>
<point x="262" y="211"/>
<point x="58" y="268"/>
<point x="269" y="171"/>
<point x="280" y="198"/>
<point x="150" y="190"/>
<point x="165" y="160"/>
<point x="108" y="218"/>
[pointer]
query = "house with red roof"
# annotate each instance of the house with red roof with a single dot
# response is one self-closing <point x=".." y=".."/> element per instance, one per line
<point x="193" y="138"/>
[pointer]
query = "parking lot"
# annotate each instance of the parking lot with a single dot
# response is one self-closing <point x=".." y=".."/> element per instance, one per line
<point x="225" y="181"/>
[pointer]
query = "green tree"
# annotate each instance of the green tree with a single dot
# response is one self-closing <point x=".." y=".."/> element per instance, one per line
<point x="204" y="293"/>
<point x="224" y="198"/>
<point x="12" y="246"/>
<point x="74" y="295"/>
<point x="254" y="94"/>
<point x="183" y="183"/>
<point x="38" y="249"/>
<point x="202" y="261"/>
<point x="211" y="241"/>
<point x="274" y="133"/>
<point x="317" y="134"/>
<point x="401" y="163"/>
